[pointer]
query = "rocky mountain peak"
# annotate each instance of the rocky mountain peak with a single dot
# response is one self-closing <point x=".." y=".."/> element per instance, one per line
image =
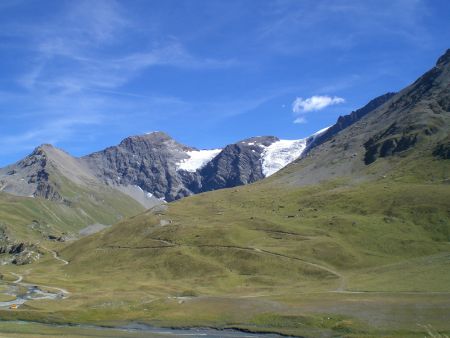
<point x="48" y="150"/>
<point x="47" y="153"/>
<point x="155" y="137"/>
<point x="155" y="140"/>
<point x="259" y="140"/>
<point x="42" y="149"/>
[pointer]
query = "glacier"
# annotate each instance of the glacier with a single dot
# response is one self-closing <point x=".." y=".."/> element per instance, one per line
<point x="197" y="159"/>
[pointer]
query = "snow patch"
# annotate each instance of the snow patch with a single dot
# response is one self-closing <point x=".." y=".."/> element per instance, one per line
<point x="320" y="132"/>
<point x="197" y="159"/>
<point x="147" y="194"/>
<point x="280" y="153"/>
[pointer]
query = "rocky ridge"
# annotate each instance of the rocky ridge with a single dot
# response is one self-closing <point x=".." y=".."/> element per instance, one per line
<point x="154" y="167"/>
<point x="416" y="118"/>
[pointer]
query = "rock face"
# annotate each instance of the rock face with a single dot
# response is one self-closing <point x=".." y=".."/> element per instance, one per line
<point x="168" y="170"/>
<point x="442" y="150"/>
<point x="39" y="174"/>
<point x="422" y="111"/>
<point x="30" y="176"/>
<point x="18" y="253"/>
<point x="380" y="146"/>
<point x="347" y="120"/>
<point x="147" y="161"/>
<point x="236" y="164"/>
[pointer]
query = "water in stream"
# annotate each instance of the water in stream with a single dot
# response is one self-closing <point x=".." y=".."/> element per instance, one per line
<point x="130" y="331"/>
<point x="25" y="292"/>
<point x="32" y="292"/>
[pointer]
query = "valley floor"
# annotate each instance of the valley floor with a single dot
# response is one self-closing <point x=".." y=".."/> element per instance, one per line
<point x="326" y="261"/>
<point x="347" y="306"/>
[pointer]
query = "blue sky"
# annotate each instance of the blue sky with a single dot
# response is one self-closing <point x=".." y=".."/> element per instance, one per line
<point x="85" y="74"/>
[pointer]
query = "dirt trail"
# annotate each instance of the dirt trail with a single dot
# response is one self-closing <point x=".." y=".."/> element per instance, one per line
<point x="19" y="282"/>
<point x="342" y="280"/>
<point x="62" y="291"/>
<point x="19" y="278"/>
<point x="55" y="255"/>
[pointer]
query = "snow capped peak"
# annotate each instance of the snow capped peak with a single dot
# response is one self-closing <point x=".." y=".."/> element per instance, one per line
<point x="280" y="153"/>
<point x="197" y="159"/>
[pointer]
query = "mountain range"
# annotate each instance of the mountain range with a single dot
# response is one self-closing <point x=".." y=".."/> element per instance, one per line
<point x="154" y="167"/>
<point x="343" y="233"/>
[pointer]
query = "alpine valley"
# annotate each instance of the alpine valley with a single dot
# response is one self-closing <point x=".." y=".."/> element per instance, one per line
<point x="345" y="233"/>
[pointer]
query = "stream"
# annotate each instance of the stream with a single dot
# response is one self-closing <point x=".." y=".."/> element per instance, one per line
<point x="143" y="330"/>
<point x="24" y="292"/>
<point x="33" y="292"/>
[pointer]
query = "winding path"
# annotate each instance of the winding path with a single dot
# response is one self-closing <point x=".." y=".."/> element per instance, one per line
<point x="64" y="292"/>
<point x="342" y="280"/>
<point x="19" y="281"/>
<point x="19" y="278"/>
<point x="55" y="255"/>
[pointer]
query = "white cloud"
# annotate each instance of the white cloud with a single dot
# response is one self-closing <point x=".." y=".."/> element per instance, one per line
<point x="301" y="106"/>
<point x="300" y="120"/>
<point x="314" y="103"/>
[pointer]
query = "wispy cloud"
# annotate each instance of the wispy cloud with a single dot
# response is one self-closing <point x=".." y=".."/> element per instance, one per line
<point x="301" y="106"/>
<point x="74" y="53"/>
<point x="77" y="67"/>
<point x="300" y="120"/>
<point x="48" y="131"/>
<point x="307" y="23"/>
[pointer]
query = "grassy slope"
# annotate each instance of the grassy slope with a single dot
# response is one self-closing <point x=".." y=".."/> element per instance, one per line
<point x="272" y="257"/>
<point x="84" y="206"/>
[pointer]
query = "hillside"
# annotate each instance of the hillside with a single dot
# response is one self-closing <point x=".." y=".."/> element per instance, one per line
<point x="89" y="193"/>
<point x="58" y="210"/>
<point x="351" y="240"/>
